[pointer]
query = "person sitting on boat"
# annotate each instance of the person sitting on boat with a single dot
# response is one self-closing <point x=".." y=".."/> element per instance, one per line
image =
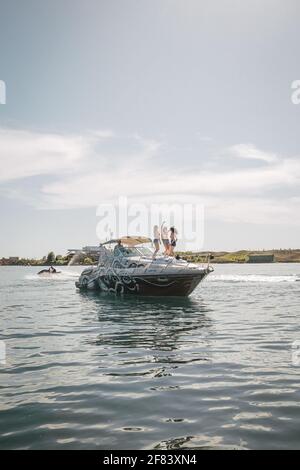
<point x="52" y="270"/>
<point x="173" y="240"/>
<point x="156" y="240"/>
<point x="119" y="249"/>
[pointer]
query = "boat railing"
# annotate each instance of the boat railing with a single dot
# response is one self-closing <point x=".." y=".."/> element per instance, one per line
<point x="170" y="261"/>
<point x="106" y="257"/>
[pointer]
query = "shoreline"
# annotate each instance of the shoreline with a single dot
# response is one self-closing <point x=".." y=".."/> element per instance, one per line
<point x="217" y="257"/>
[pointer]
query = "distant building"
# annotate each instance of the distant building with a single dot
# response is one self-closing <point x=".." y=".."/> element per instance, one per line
<point x="85" y="252"/>
<point x="9" y="261"/>
<point x="91" y="249"/>
<point x="260" y="258"/>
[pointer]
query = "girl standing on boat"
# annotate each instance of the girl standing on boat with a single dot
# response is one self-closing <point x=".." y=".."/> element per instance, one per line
<point x="156" y="239"/>
<point x="165" y="239"/>
<point x="173" y="240"/>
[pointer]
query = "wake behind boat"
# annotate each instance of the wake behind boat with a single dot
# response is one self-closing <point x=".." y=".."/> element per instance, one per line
<point x="127" y="265"/>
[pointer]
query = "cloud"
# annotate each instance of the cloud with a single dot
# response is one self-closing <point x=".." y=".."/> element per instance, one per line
<point x="203" y="138"/>
<point x="140" y="177"/>
<point x="249" y="151"/>
<point x="24" y="153"/>
<point x="99" y="166"/>
<point x="255" y="210"/>
<point x="103" y="134"/>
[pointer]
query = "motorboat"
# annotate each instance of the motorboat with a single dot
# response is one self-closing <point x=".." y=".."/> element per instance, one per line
<point x="128" y="266"/>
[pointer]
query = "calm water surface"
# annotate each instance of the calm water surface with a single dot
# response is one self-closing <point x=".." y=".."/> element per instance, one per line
<point x="211" y="371"/>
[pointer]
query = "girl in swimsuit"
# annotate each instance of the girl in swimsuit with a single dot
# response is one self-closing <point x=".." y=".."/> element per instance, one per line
<point x="156" y="239"/>
<point x="165" y="239"/>
<point x="173" y="240"/>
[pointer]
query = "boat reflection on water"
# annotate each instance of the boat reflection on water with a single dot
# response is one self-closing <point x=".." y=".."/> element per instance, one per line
<point x="150" y="322"/>
<point x="148" y="350"/>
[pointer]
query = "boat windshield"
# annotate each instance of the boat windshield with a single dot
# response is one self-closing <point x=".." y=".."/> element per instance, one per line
<point x="136" y="251"/>
<point x="145" y="251"/>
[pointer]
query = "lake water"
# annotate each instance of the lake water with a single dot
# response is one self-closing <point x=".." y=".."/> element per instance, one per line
<point x="216" y="370"/>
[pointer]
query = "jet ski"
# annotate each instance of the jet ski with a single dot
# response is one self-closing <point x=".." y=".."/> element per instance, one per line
<point x="48" y="272"/>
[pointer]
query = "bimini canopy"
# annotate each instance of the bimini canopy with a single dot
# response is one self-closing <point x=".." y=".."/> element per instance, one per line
<point x="129" y="241"/>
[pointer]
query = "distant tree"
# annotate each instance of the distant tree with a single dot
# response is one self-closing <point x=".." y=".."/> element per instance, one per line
<point x="61" y="260"/>
<point x="51" y="257"/>
<point x="87" y="261"/>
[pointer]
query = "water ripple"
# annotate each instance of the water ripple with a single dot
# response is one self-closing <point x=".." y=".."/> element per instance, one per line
<point x="96" y="371"/>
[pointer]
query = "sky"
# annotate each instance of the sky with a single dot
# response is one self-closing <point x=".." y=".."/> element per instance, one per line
<point x="161" y="100"/>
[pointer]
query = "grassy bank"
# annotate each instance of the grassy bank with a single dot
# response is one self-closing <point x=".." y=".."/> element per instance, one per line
<point x="243" y="256"/>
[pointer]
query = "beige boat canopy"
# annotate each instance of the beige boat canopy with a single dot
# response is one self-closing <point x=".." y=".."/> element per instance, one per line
<point x="130" y="241"/>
